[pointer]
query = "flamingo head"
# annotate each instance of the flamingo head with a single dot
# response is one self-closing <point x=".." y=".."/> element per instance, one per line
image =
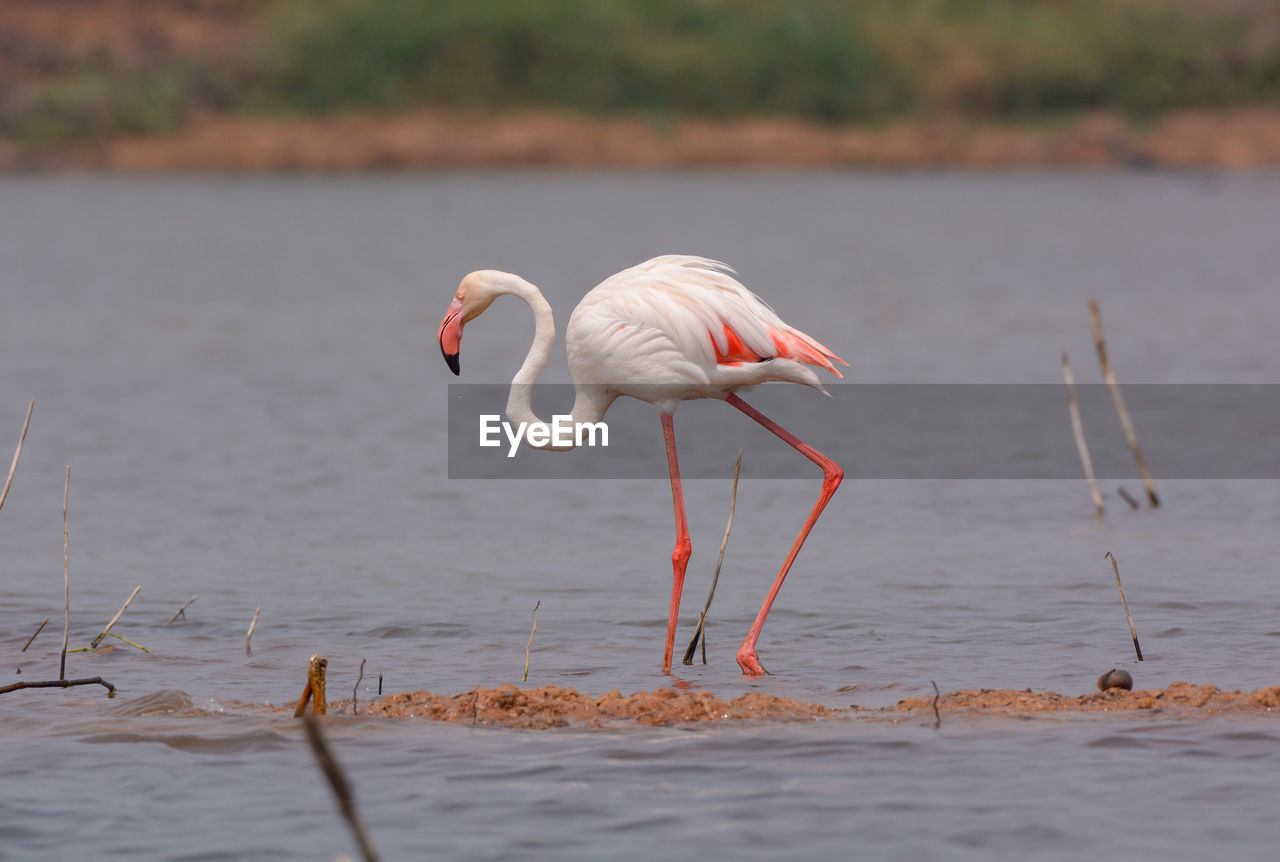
<point x="474" y="295"/>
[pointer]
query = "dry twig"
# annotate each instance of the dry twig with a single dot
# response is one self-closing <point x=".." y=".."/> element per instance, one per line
<point x="37" y="631"/>
<point x="61" y="683"/>
<point x="181" y="610"/>
<point x="1128" y="498"/>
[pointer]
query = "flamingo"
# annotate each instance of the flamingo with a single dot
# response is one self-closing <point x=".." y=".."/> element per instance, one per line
<point x="671" y="329"/>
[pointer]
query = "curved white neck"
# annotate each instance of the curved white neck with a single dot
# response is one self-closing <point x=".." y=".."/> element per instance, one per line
<point x="590" y="402"/>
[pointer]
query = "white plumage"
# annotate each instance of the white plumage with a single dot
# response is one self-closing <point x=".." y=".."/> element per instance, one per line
<point x="684" y="321"/>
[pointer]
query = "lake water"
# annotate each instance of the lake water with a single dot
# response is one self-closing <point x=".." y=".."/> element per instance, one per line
<point x="243" y="375"/>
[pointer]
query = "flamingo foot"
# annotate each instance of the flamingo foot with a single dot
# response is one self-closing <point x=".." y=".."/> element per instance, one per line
<point x="749" y="662"/>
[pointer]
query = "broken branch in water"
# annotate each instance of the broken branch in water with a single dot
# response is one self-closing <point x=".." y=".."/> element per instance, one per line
<point x="13" y="468"/>
<point x="1132" y="631"/>
<point x="701" y="630"/>
<point x="249" y="634"/>
<point x="61" y="683"/>
<point x="180" y="611"/>
<point x="1077" y="428"/>
<point x="93" y="644"/>
<point x="937" y="716"/>
<point x="33" y="637"/>
<point x="66" y="575"/>
<point x="126" y="640"/>
<point x="1130" y="435"/>
<point x="338" y="782"/>
<point x="1128" y="498"/>
<point x="314" y="691"/>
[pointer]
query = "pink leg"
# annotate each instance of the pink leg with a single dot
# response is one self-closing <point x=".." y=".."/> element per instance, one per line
<point x="684" y="547"/>
<point x="831" y="477"/>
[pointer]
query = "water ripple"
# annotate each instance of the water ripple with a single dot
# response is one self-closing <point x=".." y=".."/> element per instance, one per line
<point x="158" y="703"/>
<point x="253" y="741"/>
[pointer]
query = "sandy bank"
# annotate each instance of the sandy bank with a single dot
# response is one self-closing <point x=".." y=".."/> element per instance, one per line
<point x="552" y="706"/>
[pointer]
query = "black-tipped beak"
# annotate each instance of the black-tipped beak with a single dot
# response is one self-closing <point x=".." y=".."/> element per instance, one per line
<point x="450" y="336"/>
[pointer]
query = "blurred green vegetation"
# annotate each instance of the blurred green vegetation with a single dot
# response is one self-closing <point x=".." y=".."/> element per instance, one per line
<point x="821" y="59"/>
<point x="105" y="101"/>
<point x="716" y="57"/>
<point x="827" y="60"/>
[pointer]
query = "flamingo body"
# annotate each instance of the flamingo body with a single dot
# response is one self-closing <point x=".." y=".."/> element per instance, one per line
<point x="671" y="329"/>
<point x="679" y="327"/>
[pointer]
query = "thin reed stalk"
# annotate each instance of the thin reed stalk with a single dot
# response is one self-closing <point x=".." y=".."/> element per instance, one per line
<point x="66" y="575"/>
<point x="1130" y="435"/>
<point x="94" y="643"/>
<point x="13" y="468"/>
<point x="248" y="650"/>
<point x="701" y="631"/>
<point x="340" y="786"/>
<point x="1077" y="428"/>
<point x="355" y="690"/>
<point x="1128" y="616"/>
<point x="529" y="645"/>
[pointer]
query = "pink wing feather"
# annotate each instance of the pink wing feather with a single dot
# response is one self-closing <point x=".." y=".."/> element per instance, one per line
<point x="707" y="313"/>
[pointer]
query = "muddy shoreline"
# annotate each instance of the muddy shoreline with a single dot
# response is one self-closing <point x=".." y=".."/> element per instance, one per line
<point x="434" y="140"/>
